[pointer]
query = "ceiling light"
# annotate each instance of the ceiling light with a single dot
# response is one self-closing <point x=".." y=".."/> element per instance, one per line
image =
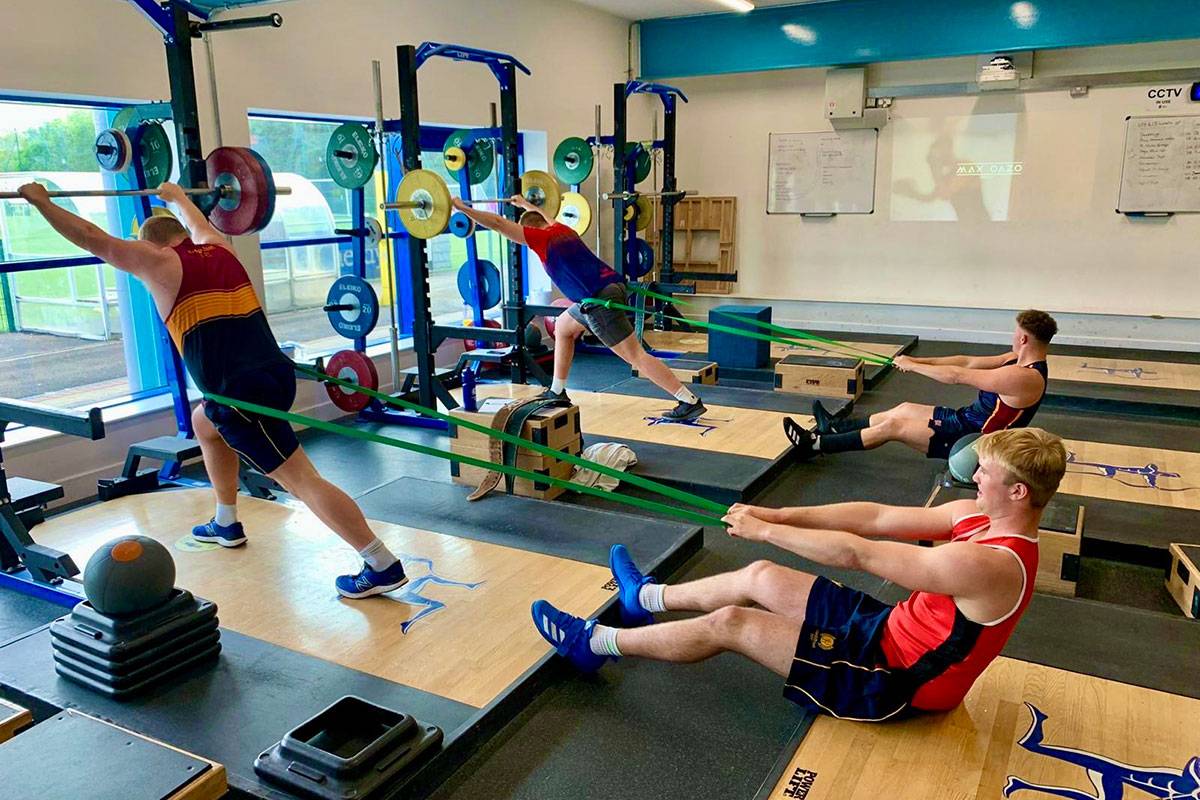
<point x="738" y="5"/>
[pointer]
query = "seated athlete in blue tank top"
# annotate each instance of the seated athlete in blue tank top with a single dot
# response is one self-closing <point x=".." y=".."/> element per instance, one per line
<point x="580" y="274"/>
<point x="1011" y="387"/>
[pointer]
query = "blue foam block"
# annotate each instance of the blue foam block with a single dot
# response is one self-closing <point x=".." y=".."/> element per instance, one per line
<point x="742" y="352"/>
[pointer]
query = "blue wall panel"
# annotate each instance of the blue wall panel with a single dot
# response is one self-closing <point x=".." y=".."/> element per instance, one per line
<point x="863" y="31"/>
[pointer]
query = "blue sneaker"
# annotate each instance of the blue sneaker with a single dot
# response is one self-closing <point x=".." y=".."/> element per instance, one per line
<point x="368" y="582"/>
<point x="630" y="581"/>
<point x="224" y="535"/>
<point x="570" y="635"/>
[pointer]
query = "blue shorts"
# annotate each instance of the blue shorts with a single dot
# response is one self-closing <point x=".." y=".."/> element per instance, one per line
<point x="839" y="668"/>
<point x="948" y="427"/>
<point x="263" y="442"/>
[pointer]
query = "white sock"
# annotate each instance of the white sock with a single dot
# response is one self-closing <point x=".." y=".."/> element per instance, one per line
<point x="558" y="385"/>
<point x="604" y="641"/>
<point x="650" y="597"/>
<point x="817" y="443"/>
<point x="377" y="556"/>
<point x="685" y="395"/>
<point x="226" y="515"/>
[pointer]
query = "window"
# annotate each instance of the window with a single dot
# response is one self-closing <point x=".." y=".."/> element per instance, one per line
<point x="299" y="261"/>
<point x="64" y="314"/>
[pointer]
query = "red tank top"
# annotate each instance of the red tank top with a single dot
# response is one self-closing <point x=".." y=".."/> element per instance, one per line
<point x="217" y="322"/>
<point x="943" y="651"/>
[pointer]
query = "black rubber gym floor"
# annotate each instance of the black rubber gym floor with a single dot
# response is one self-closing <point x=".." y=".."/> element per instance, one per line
<point x="715" y="729"/>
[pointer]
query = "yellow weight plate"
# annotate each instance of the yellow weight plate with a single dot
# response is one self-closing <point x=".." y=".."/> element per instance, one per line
<point x="541" y="189"/>
<point x="456" y="158"/>
<point x="630" y="212"/>
<point x="645" y="213"/>
<point x="574" y="212"/>
<point x="432" y="214"/>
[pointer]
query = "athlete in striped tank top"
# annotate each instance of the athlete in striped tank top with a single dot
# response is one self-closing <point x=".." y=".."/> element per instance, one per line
<point x="841" y="651"/>
<point x="1011" y="387"/>
<point x="216" y="321"/>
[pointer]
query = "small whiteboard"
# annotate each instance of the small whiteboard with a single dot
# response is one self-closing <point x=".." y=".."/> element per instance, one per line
<point x="1161" y="171"/>
<point x="832" y="172"/>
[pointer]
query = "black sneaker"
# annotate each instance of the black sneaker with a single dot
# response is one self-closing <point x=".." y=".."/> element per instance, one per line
<point x="560" y="397"/>
<point x="804" y="443"/>
<point x="685" y="412"/>
<point x="822" y="417"/>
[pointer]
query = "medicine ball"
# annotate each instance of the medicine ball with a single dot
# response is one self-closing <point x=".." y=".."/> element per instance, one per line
<point x="129" y="575"/>
<point x="963" y="459"/>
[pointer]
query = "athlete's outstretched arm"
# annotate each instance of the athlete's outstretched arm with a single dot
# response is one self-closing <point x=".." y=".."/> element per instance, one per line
<point x="1013" y="380"/>
<point x="870" y="519"/>
<point x="136" y="258"/>
<point x="956" y="569"/>
<point x="970" y="362"/>
<point x="493" y="222"/>
<point x="199" y="228"/>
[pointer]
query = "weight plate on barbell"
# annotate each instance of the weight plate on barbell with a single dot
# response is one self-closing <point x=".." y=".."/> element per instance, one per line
<point x="541" y="189"/>
<point x="268" y="210"/>
<point x="427" y="188"/>
<point x="481" y="155"/>
<point x="154" y="149"/>
<point x="575" y="212"/>
<point x="490" y="284"/>
<point x="251" y="192"/>
<point x="639" y="259"/>
<point x="114" y="151"/>
<point x="360" y="319"/>
<point x="374" y="232"/>
<point x="357" y="160"/>
<point x="352" y="366"/>
<point x="573" y="160"/>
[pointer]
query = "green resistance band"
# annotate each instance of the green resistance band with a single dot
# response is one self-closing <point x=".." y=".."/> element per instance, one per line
<point x="715" y="327"/>
<point x="866" y="355"/>
<point x="634" y="480"/>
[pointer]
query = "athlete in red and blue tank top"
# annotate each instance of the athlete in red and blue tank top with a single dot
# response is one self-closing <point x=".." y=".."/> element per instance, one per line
<point x="990" y="412"/>
<point x="942" y="651"/>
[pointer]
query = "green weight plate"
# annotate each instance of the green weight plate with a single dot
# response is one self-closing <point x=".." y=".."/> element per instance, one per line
<point x="481" y="157"/>
<point x="644" y="161"/>
<point x="154" y="150"/>
<point x="350" y="155"/>
<point x="573" y="160"/>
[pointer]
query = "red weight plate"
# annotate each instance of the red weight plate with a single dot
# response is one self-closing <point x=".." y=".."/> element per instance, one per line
<point x="353" y="366"/>
<point x="471" y="344"/>
<point x="238" y="213"/>
<point x="561" y="302"/>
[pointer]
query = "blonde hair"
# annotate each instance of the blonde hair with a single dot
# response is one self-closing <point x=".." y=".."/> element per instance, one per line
<point x="1030" y="456"/>
<point x="161" y="230"/>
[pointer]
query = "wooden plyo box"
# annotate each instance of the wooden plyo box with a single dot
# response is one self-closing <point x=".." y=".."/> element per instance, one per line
<point x="1183" y="578"/>
<point x="690" y="370"/>
<point x="555" y="427"/>
<point x="526" y="459"/>
<point x="13" y="718"/>
<point x="820" y="376"/>
<point x="1059" y="535"/>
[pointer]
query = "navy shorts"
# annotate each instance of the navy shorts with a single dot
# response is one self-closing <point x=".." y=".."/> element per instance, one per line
<point x="839" y="668"/>
<point x="948" y="427"/>
<point x="263" y="442"/>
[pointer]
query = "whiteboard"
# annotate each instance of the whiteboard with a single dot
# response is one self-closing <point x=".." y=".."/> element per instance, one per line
<point x="1161" y="171"/>
<point x="830" y="172"/>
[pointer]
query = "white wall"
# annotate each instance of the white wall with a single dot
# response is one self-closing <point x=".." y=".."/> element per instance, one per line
<point x="1062" y="247"/>
<point x="318" y="62"/>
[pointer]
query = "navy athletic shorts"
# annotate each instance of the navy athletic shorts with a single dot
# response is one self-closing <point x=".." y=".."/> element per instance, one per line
<point x="948" y="427"/>
<point x="263" y="442"/>
<point x="839" y="668"/>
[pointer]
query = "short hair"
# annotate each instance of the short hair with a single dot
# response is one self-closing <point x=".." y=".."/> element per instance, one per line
<point x="1030" y="456"/>
<point x="1038" y="323"/>
<point x="161" y="230"/>
<point x="533" y="219"/>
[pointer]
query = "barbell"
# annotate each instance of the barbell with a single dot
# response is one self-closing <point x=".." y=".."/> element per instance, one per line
<point x="628" y="195"/>
<point x="424" y="203"/>
<point x="239" y="178"/>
